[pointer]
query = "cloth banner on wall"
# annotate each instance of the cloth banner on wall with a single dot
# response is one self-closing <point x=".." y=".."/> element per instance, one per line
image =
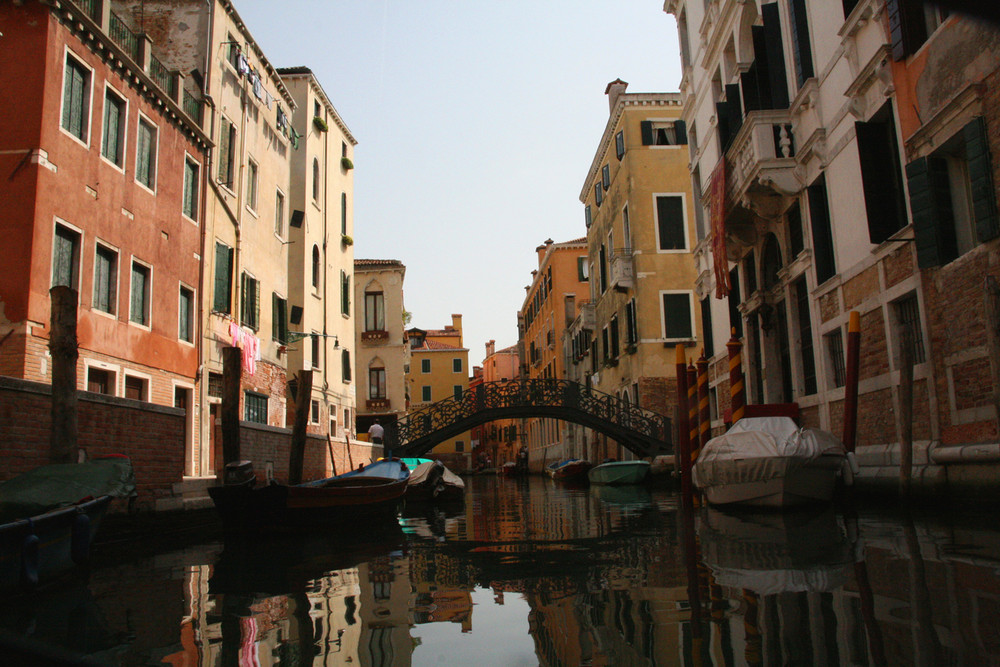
<point x="718" y="213"/>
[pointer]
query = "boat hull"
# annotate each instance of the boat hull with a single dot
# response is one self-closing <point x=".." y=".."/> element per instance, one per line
<point x="572" y="471"/>
<point x="771" y="481"/>
<point x="619" y="472"/>
<point x="64" y="537"/>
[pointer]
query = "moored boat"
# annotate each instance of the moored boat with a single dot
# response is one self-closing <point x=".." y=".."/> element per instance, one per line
<point x="569" y="470"/>
<point x="433" y="481"/>
<point x="50" y="516"/>
<point x="371" y="491"/>
<point x="770" y="462"/>
<point x="619" y="472"/>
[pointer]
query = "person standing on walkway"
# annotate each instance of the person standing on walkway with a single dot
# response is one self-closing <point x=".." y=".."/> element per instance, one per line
<point x="376" y="433"/>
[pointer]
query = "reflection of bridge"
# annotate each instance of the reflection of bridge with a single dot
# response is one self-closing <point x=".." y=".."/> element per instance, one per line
<point x="640" y="431"/>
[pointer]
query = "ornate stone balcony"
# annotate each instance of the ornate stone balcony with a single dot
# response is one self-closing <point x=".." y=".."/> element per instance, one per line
<point x="762" y="163"/>
<point x="622" y="271"/>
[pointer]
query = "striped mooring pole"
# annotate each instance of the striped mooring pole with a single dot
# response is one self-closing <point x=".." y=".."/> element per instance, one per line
<point x="683" y="434"/>
<point x="737" y="387"/>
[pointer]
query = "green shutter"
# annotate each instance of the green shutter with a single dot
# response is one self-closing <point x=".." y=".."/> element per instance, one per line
<point x="984" y="203"/>
<point x="189" y="183"/>
<point x="143" y="157"/>
<point x="933" y="221"/>
<point x="677" y="316"/>
<point x="646" y="130"/>
<point x="223" y="278"/>
<point x="138" y="300"/>
<point x="72" y="119"/>
<point x="680" y="132"/>
<point x="225" y="145"/>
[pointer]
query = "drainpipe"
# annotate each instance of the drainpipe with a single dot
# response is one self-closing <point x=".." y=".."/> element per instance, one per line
<point x="326" y="241"/>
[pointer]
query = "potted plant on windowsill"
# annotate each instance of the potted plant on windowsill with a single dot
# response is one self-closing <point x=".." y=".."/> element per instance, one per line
<point x="346" y="240"/>
<point x="346" y="163"/>
<point x="320" y="124"/>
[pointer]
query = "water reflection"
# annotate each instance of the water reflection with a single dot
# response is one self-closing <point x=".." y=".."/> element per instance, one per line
<point x="530" y="572"/>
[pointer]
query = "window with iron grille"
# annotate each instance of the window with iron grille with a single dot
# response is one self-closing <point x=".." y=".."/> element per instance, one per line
<point x="907" y="311"/>
<point x="835" y="351"/>
<point x="255" y="407"/>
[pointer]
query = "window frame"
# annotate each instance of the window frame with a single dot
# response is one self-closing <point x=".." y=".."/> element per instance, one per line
<point x="247" y="318"/>
<point x="620" y="144"/>
<point x="377" y="383"/>
<point x="252" y="413"/>
<point x="229" y="279"/>
<point x="87" y="101"/>
<point x="279" y="214"/>
<point x="663" y="316"/>
<point x="154" y="153"/>
<point x="75" y="260"/>
<point x="374" y="311"/>
<point x="685" y="230"/>
<point x="253" y="185"/>
<point x="191" y="314"/>
<point x="147" y="306"/>
<point x="189" y="161"/>
<point x="425" y="366"/>
<point x="229" y="143"/>
<point x="457" y="365"/>
<point x="112" y="283"/>
<point x="122" y="131"/>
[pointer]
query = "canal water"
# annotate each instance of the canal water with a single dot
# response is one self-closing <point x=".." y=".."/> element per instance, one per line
<point x="528" y="572"/>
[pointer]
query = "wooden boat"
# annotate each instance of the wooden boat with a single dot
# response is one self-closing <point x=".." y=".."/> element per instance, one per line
<point x="569" y="470"/>
<point x="49" y="517"/>
<point x="371" y="491"/>
<point x="619" y="472"/>
<point x="432" y="481"/>
<point x="769" y="462"/>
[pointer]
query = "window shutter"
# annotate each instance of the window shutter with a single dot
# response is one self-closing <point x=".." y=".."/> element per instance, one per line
<point x="676" y="316"/>
<point x="224" y="139"/>
<point x="907" y="28"/>
<point x="680" y="132"/>
<point x="800" y="40"/>
<point x="933" y="221"/>
<point x="819" y="217"/>
<point x="984" y="203"/>
<point x="774" y="54"/>
<point x="722" y="124"/>
<point x="735" y="120"/>
<point x="646" y="130"/>
<point x="670" y="219"/>
<point x="751" y="90"/>
<point x="223" y="271"/>
<point x="880" y="178"/>
<point x="110" y="129"/>
<point x="275" y="319"/>
<point x="708" y="343"/>
<point x="138" y="294"/>
<point x="188" y="190"/>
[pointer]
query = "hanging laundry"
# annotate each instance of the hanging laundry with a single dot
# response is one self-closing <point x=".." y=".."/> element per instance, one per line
<point x="258" y="87"/>
<point x="242" y="64"/>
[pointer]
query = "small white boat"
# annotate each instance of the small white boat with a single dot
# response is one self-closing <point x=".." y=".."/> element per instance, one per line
<point x="770" y="462"/>
<point x="619" y="472"/>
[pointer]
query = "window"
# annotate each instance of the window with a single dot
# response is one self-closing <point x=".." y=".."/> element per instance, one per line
<point x="425" y="394"/>
<point x="606" y="177"/>
<point x="605" y="345"/>
<point x="822" y="231"/>
<point x="345" y="293"/>
<point x="190" y="206"/>
<point x="316" y="265"/>
<point x="279" y="319"/>
<point x="613" y="327"/>
<point x="279" y="214"/>
<point x="663" y="133"/>
<point x="315" y="189"/>
<point x="881" y="176"/>
<point x="677" y="316"/>
<point x="100" y="381"/>
<point x="587" y="218"/>
<point x="76" y="99"/>
<point x="345" y="360"/>
<point x="800" y="40"/>
<point x="598" y="193"/>
<point x="105" y="279"/>
<point x="233" y="54"/>
<point x="145" y="154"/>
<point x="254" y="407"/>
<point x="314" y="412"/>
<point x="805" y="342"/>
<point x="910" y="24"/>
<point x="315" y="347"/>
<point x="317" y="111"/>
<point x="376" y="383"/>
<point x="735" y="318"/>
<point x="952" y="197"/>
<point x="626" y="230"/>
<point x="136" y="388"/>
<point x="250" y="301"/>
<point x="907" y="312"/>
<point x="796" y="239"/>
<point x="140" y="297"/>
<point x="835" y="352"/>
<point x="631" y="324"/>
<point x="456" y="365"/>
<point x="603" y="265"/>
<point x="456" y="392"/>
<point x="185" y="315"/>
<point x="708" y="340"/>
<point x="374" y="311"/>
<point x="227" y="152"/>
<point x="343" y="213"/>
<point x="425" y="365"/>
<point x="113" y="138"/>
<point x="770" y="262"/>
<point x="671" y="228"/>
<point x="582" y="266"/>
<point x="620" y="144"/>
<point x="223" y="293"/>
<point x="252" y="185"/>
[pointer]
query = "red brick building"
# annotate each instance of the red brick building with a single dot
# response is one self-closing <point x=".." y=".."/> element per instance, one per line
<point x="103" y="160"/>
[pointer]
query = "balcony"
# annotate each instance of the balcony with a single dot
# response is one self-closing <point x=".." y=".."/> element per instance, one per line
<point x="374" y="336"/>
<point x="762" y="164"/>
<point x="588" y="320"/>
<point x="372" y="404"/>
<point x="622" y="271"/>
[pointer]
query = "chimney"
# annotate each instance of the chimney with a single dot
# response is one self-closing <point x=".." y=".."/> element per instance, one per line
<point x="614" y="90"/>
<point x="491" y="348"/>
<point x="456" y="322"/>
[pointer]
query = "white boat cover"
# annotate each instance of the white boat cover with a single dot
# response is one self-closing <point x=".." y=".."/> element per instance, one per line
<point x="422" y="472"/>
<point x="765" y="438"/>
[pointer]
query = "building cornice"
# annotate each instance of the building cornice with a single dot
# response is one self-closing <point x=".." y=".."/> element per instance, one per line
<point x="279" y="84"/>
<point x="306" y="73"/>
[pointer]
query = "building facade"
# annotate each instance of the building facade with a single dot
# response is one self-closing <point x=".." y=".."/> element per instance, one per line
<point x="103" y="154"/>
<point x="847" y="156"/>
<point x="439" y="370"/>
<point x="642" y="229"/>
<point x="318" y="314"/>
<point x="500" y="439"/>
<point x="383" y="357"/>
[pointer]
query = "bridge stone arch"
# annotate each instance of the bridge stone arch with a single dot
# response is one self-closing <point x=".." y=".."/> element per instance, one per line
<point x="642" y="432"/>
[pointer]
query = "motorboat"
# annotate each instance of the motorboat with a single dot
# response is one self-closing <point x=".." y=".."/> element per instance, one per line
<point x="433" y="481"/>
<point x="619" y="472"/>
<point x="569" y="470"/>
<point x="770" y="462"/>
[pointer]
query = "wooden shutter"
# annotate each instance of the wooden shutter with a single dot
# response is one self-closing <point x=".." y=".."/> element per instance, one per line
<point x="800" y="40"/>
<point x="646" y="131"/>
<point x="735" y="318"/>
<point x="751" y="90"/>
<point x="73" y="98"/>
<point x="722" y="124"/>
<point x="680" y="132"/>
<point x="734" y="108"/>
<point x="143" y="162"/>
<point x="224" y="148"/>
<point x="223" y="278"/>
<point x="138" y="305"/>
<point x="907" y="29"/>
<point x="677" y="316"/>
<point x="708" y="344"/>
<point x="774" y="54"/>
<point x="880" y="177"/>
<point x="933" y="220"/>
<point x="819" y="218"/>
<point x="64" y="258"/>
<point x="189" y="189"/>
<point x="984" y="203"/>
<point x="670" y="223"/>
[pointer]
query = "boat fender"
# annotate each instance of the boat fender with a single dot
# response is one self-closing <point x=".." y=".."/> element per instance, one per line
<point x="847" y="469"/>
<point x="853" y="460"/>
<point x="29" y="560"/>
<point x="80" y="546"/>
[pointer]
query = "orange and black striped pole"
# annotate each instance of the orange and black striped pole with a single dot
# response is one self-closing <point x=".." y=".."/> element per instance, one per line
<point x="692" y="403"/>
<point x="683" y="434"/>
<point x="704" y="416"/>
<point x="851" y="380"/>
<point x="737" y="388"/>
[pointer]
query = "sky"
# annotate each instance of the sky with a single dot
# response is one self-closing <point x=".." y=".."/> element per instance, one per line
<point x="476" y="123"/>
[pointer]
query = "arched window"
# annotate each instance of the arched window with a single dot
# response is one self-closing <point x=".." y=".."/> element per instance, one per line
<point x="315" y="266"/>
<point x="315" y="179"/>
<point x="770" y="262"/>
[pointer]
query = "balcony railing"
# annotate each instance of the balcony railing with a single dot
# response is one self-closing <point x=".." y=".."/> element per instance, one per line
<point x="762" y="162"/>
<point x="193" y="107"/>
<point x="91" y="7"/>
<point x="162" y="77"/>
<point x="124" y="37"/>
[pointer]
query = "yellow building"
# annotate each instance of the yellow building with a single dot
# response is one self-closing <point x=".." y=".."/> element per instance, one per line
<point x="558" y="288"/>
<point x="439" y="369"/>
<point x="641" y="234"/>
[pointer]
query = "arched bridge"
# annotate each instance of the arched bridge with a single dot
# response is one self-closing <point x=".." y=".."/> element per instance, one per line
<point x="643" y="432"/>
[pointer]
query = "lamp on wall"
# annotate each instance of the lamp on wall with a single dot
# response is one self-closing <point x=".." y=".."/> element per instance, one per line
<point x="766" y="313"/>
<point x="296" y="336"/>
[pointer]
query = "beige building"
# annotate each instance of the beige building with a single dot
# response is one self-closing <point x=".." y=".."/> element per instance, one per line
<point x="383" y="355"/>
<point x="439" y="370"/>
<point x="641" y="234"/>
<point x="315" y="222"/>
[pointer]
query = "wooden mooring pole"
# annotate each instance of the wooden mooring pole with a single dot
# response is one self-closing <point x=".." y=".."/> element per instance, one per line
<point x="297" y="451"/>
<point x="232" y="369"/>
<point x="63" y="349"/>
<point x="851" y="380"/>
<point x="683" y="434"/>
